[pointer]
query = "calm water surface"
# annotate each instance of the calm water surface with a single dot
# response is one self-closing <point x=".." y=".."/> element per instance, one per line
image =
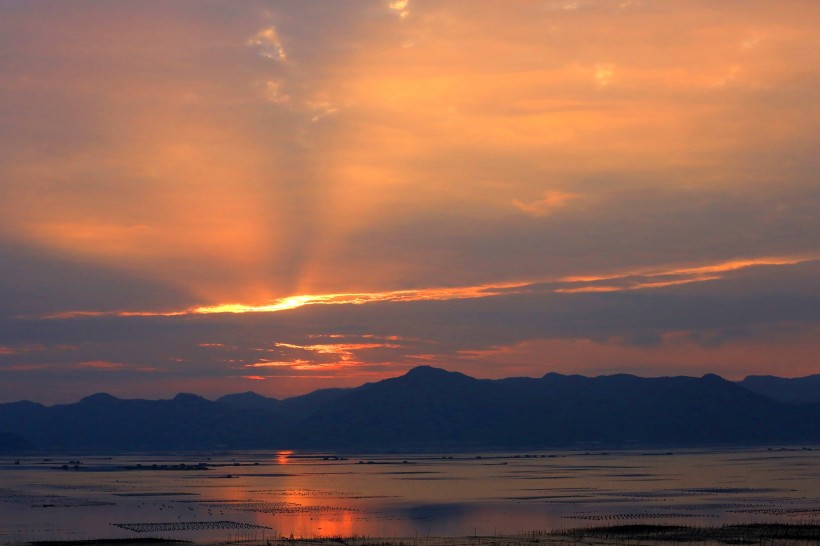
<point x="259" y="494"/>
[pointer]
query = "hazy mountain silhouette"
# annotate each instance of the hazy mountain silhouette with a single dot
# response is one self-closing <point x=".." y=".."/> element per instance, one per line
<point x="801" y="390"/>
<point x="426" y="407"/>
<point x="432" y="409"/>
<point x="102" y="421"/>
<point x="301" y="407"/>
<point x="13" y="443"/>
<point x="248" y="400"/>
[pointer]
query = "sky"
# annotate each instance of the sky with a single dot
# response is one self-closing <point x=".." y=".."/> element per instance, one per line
<point x="281" y="196"/>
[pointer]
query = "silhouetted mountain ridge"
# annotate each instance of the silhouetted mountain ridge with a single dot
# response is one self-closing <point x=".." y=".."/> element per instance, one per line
<point x="432" y="409"/>
<point x="249" y="400"/>
<point x="99" y="398"/>
<point x="800" y="390"/>
<point x="13" y="443"/>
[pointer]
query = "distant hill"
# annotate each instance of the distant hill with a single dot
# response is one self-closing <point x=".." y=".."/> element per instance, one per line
<point x="102" y="421"/>
<point x="432" y="409"/>
<point x="248" y="400"/>
<point x="13" y="443"/>
<point x="294" y="409"/>
<point x="800" y="390"/>
<point x="301" y="407"/>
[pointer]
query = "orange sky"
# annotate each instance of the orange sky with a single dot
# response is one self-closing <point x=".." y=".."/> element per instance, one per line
<point x="587" y="186"/>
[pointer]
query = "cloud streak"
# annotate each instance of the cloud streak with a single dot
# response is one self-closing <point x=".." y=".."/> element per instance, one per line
<point x="638" y="280"/>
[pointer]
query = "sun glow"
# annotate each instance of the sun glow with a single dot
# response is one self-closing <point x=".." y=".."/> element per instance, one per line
<point x="635" y="280"/>
<point x="293" y="302"/>
<point x="646" y="280"/>
<point x="282" y="457"/>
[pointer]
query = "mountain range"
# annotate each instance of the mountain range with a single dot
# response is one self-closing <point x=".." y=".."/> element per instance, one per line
<point x="431" y="409"/>
<point x="803" y="390"/>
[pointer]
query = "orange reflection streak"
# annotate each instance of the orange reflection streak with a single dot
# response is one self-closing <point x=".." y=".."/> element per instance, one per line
<point x="689" y="274"/>
<point x="282" y="457"/>
<point x="340" y="526"/>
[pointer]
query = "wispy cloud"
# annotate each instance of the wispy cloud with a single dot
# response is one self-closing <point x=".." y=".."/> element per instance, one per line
<point x="400" y="7"/>
<point x="552" y="201"/>
<point x="101" y="365"/>
<point x="635" y="280"/>
<point x="269" y="44"/>
<point x="697" y="272"/>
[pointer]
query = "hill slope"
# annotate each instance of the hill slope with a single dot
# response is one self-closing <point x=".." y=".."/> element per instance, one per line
<point x="432" y="409"/>
<point x="800" y="390"/>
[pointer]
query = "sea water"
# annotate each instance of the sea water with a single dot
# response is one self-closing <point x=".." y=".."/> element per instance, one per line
<point x="258" y="495"/>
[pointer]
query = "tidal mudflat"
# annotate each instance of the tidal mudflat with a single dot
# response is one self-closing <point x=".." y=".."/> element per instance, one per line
<point x="267" y="496"/>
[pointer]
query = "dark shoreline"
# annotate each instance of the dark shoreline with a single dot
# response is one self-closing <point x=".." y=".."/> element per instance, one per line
<point x="108" y="541"/>
<point x="625" y="535"/>
<point x="749" y="533"/>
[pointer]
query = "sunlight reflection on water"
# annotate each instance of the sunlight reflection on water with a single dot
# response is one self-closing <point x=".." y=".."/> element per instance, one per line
<point x="270" y="494"/>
